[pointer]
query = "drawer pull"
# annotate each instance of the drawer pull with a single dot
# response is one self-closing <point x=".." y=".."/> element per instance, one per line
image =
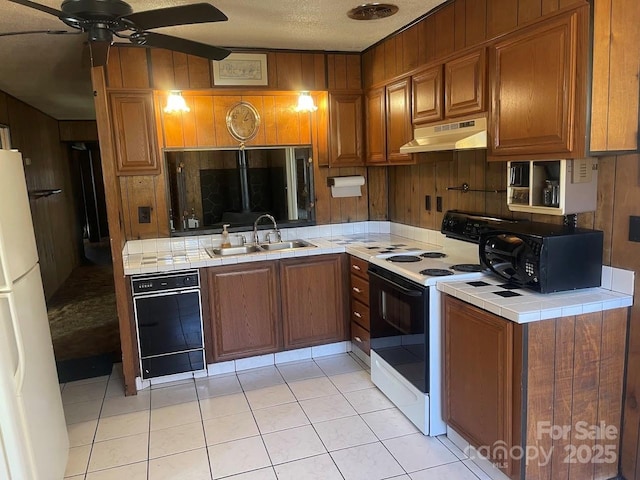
<point x="358" y="339"/>
<point x="357" y="290"/>
<point x="356" y="267"/>
<point x="357" y="314"/>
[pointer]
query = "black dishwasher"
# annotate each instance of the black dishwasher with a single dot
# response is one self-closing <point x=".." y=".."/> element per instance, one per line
<point x="168" y="314"/>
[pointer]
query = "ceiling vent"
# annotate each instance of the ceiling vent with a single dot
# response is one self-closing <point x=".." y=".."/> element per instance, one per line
<point x="372" y="11"/>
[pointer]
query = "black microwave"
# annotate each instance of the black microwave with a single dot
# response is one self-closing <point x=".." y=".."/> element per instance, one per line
<point x="544" y="257"/>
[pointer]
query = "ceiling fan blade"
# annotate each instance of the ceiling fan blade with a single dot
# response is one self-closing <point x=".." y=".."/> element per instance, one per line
<point x="99" y="53"/>
<point x="48" y="32"/>
<point x="181" y="15"/>
<point x="42" y="8"/>
<point x="181" y="45"/>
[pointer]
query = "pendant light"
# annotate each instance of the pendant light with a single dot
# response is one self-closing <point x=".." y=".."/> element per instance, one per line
<point x="176" y="103"/>
<point x="305" y="103"/>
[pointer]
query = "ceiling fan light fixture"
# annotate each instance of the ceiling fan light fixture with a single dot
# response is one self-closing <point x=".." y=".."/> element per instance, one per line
<point x="176" y="103"/>
<point x="372" y="11"/>
<point x="305" y="103"/>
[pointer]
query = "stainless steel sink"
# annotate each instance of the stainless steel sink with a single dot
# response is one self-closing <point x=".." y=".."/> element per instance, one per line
<point x="223" y="252"/>
<point x="284" y="245"/>
<point x="268" y="247"/>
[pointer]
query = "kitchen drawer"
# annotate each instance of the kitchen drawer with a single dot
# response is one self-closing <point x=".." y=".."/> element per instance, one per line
<point x="360" y="314"/>
<point x="360" y="289"/>
<point x="358" y="267"/>
<point x="360" y="337"/>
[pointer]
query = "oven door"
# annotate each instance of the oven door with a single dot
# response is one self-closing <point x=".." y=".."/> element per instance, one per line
<point x="399" y="324"/>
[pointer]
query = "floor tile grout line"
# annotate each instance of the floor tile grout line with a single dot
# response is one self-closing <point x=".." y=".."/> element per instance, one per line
<point x="321" y="441"/>
<point x="252" y="410"/>
<point x="86" y="470"/>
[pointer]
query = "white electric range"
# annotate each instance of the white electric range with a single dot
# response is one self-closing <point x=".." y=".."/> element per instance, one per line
<point x="406" y="319"/>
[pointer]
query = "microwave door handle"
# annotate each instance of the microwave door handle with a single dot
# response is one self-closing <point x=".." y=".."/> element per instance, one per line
<point x="397" y="287"/>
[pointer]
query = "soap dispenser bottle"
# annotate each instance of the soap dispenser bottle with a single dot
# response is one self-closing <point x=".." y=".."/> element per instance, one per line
<point x="226" y="243"/>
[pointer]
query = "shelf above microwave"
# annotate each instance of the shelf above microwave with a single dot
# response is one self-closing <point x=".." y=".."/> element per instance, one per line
<point x="552" y="187"/>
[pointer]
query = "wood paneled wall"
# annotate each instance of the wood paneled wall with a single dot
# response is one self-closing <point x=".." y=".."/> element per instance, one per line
<point x="583" y="355"/>
<point x="204" y="126"/>
<point x="78" y="131"/>
<point x="453" y="27"/>
<point x="58" y="235"/>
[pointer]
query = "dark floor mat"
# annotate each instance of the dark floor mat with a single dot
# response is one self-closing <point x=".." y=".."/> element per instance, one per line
<point x="81" y="368"/>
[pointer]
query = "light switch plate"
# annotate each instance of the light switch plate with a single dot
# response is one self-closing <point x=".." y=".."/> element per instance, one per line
<point x="144" y="214"/>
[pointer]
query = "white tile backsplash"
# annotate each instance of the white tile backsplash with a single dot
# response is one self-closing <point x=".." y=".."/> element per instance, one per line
<point x="622" y="281"/>
<point x="607" y="277"/>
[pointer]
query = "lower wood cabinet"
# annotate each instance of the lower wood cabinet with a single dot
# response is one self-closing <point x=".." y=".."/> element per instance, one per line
<point x="359" y="296"/>
<point x="479" y="375"/>
<point x="245" y="310"/>
<point x="508" y="386"/>
<point x="313" y="300"/>
<point x="264" y="307"/>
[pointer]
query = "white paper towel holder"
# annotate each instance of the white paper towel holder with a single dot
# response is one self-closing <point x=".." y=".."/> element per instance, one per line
<point x="347" y="186"/>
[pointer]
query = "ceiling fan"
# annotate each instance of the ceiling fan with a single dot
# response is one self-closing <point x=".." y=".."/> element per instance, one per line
<point x="104" y="19"/>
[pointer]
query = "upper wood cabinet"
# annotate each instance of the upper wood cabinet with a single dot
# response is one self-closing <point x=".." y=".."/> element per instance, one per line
<point x="345" y="124"/>
<point x="135" y="133"/>
<point x="375" y="126"/>
<point x="244" y="305"/>
<point x="313" y="300"/>
<point x="426" y="89"/>
<point x="536" y="78"/>
<point x="465" y="84"/>
<point x="398" y="120"/>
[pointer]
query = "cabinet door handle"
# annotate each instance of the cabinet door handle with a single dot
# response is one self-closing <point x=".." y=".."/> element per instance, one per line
<point x="357" y="314"/>
<point x="357" y="290"/>
<point x="357" y="339"/>
<point x="356" y="267"/>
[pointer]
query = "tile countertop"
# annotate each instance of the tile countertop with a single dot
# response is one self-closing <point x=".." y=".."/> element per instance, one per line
<point x="529" y="306"/>
<point x="164" y="259"/>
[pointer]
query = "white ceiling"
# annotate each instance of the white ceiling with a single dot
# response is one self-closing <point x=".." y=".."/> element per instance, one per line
<point x="46" y="71"/>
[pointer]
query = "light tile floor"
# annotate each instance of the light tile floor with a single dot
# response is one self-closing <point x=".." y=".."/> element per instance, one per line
<point x="321" y="419"/>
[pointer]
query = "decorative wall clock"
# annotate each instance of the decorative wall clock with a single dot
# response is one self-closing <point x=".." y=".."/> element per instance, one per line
<point x="243" y="121"/>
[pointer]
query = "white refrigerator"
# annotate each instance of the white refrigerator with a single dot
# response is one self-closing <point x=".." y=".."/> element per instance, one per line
<point x="33" y="436"/>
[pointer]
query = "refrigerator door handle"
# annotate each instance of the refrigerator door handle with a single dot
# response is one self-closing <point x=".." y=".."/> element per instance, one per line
<point x="15" y="337"/>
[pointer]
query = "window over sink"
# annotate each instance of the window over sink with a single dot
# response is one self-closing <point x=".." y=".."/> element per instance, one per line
<point x="210" y="188"/>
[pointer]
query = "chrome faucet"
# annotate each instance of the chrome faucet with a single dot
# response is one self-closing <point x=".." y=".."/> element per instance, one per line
<point x="275" y="228"/>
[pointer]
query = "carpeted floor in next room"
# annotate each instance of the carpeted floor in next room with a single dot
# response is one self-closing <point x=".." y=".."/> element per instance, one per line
<point x="82" y="314"/>
<point x="83" y="318"/>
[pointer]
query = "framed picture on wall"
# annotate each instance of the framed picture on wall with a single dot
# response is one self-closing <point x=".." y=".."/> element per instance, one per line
<point x="242" y="69"/>
<point x="5" y="138"/>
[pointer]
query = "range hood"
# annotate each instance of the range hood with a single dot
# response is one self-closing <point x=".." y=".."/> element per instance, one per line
<point x="463" y="135"/>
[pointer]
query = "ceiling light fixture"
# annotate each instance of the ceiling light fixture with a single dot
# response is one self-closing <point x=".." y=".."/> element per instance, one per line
<point x="305" y="103"/>
<point x="176" y="103"/>
<point x="372" y="11"/>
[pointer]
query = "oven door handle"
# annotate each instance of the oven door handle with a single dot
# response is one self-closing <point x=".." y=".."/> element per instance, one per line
<point x="400" y="288"/>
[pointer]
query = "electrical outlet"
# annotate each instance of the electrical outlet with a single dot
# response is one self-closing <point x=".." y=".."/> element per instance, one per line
<point x="144" y="214"/>
<point x="634" y="228"/>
